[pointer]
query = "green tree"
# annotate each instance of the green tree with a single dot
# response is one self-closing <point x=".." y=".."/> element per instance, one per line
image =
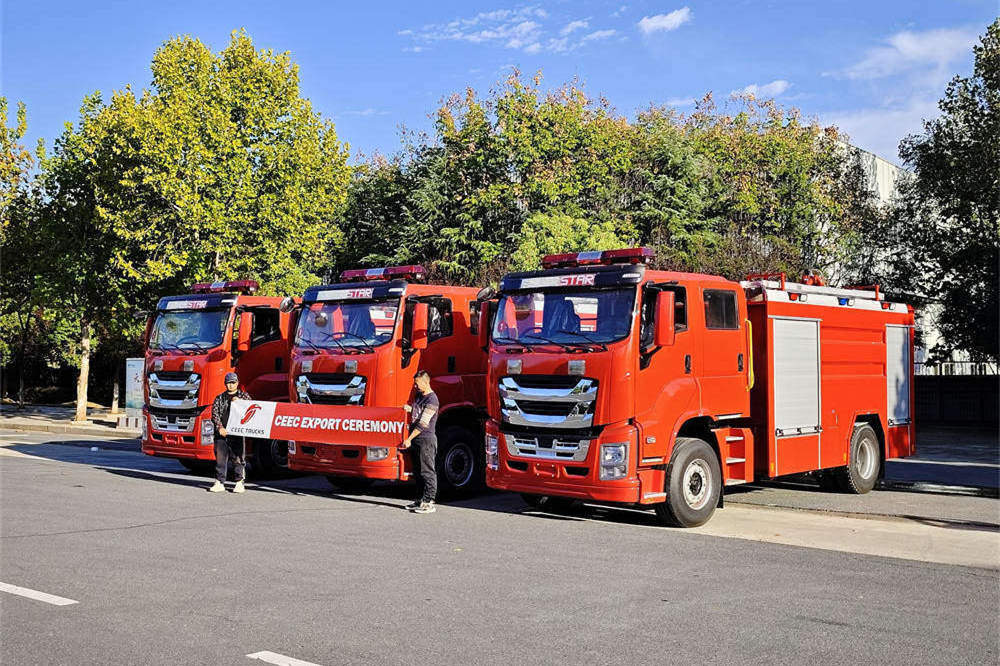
<point x="219" y="170"/>
<point x="943" y="240"/>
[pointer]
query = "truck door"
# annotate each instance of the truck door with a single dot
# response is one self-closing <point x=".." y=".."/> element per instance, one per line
<point x="263" y="369"/>
<point x="666" y="386"/>
<point x="724" y="379"/>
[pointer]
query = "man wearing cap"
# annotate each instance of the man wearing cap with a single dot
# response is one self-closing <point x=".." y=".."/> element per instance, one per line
<point x="228" y="448"/>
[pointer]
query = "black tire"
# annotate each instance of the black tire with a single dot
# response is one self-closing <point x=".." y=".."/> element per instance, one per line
<point x="270" y="456"/>
<point x="693" y="485"/>
<point x="864" y="462"/>
<point x="199" y="467"/>
<point x="350" y="483"/>
<point x="460" y="461"/>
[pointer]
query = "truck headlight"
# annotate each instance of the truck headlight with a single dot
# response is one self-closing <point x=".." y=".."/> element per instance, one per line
<point x="492" y="451"/>
<point x="376" y="453"/>
<point x="207" y="432"/>
<point x="614" y="461"/>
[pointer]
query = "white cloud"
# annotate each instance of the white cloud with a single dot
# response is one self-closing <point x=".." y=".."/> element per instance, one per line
<point x="772" y="89"/>
<point x="671" y="21"/>
<point x="905" y="51"/>
<point x="598" y="34"/>
<point x="681" y="101"/>
<point x="414" y="49"/>
<point x="618" y="12"/>
<point x="520" y="29"/>
<point x="574" y="25"/>
<point x="880" y="130"/>
<point x="366" y="112"/>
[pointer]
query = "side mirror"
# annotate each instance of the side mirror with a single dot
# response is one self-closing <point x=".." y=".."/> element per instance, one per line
<point x="663" y="324"/>
<point x="287" y="304"/>
<point x="246" y="324"/>
<point x="421" y="313"/>
<point x="484" y="324"/>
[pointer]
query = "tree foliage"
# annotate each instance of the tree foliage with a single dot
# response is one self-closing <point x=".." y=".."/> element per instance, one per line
<point x="942" y="241"/>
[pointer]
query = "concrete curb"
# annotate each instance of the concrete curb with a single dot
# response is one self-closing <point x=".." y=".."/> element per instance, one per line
<point x="68" y="429"/>
<point x="939" y="489"/>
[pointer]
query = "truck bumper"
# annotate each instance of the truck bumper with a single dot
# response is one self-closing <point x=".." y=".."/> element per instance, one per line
<point x="577" y="479"/>
<point x="168" y="444"/>
<point x="346" y="460"/>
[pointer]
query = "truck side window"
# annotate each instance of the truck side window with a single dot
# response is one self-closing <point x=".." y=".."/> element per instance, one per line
<point x="649" y="313"/>
<point x="720" y="309"/>
<point x="439" y="323"/>
<point x="266" y="326"/>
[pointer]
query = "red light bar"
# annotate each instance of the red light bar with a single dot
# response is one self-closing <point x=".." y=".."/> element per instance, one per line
<point x="632" y="255"/>
<point x="248" y="287"/>
<point x="412" y="272"/>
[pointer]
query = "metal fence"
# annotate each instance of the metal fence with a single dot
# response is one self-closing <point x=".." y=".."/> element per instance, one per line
<point x="955" y="368"/>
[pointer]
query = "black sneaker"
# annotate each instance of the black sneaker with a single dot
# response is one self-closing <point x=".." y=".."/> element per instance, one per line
<point x="425" y="507"/>
<point x="412" y="505"/>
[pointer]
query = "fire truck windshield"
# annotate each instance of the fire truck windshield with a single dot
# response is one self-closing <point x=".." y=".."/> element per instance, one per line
<point x="574" y="317"/>
<point x="347" y="323"/>
<point x="190" y="330"/>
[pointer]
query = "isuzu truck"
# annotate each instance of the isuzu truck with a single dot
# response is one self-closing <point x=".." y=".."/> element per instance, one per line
<point x="612" y="382"/>
<point x="192" y="341"/>
<point x="358" y="345"/>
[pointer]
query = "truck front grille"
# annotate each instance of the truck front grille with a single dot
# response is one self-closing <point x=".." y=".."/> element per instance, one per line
<point x="541" y="400"/>
<point x="551" y="447"/>
<point x="174" y="390"/>
<point x="331" y="388"/>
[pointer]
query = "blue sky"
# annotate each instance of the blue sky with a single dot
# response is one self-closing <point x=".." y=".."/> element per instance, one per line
<point x="873" y="68"/>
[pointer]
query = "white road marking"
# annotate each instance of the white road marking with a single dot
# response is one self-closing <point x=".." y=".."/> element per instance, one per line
<point x="36" y="595"/>
<point x="280" y="659"/>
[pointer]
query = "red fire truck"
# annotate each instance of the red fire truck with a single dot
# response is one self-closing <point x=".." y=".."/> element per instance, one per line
<point x="192" y="341"/>
<point x="612" y="382"/>
<point x="360" y="342"/>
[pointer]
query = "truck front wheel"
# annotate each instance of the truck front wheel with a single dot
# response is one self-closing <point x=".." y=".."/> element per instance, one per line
<point x="693" y="485"/>
<point x="460" y="461"/>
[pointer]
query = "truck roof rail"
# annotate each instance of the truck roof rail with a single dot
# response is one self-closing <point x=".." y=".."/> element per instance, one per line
<point x="871" y="292"/>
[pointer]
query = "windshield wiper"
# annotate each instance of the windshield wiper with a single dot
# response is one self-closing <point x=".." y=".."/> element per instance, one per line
<point x="309" y="342"/>
<point x="198" y="348"/>
<point x="329" y="336"/>
<point x="504" y="340"/>
<point x="603" y="346"/>
<point x="368" y="348"/>
<point x="549" y="340"/>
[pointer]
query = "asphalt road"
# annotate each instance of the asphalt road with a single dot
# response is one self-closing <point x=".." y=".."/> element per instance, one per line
<point x="164" y="572"/>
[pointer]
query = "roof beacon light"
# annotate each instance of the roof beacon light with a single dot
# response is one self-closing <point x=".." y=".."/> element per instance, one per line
<point x="412" y="272"/>
<point x="631" y="255"/>
<point x="248" y="287"/>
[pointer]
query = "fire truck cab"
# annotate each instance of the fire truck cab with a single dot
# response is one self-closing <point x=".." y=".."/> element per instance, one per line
<point x="612" y="382"/>
<point x="192" y="341"/>
<point x="360" y="342"/>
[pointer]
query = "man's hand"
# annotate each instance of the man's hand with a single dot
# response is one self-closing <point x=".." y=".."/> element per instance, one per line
<point x="222" y="431"/>
<point x="405" y="444"/>
<point x="407" y="409"/>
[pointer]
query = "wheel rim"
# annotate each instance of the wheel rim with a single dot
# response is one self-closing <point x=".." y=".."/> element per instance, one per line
<point x="279" y="453"/>
<point x="864" y="464"/>
<point x="458" y="465"/>
<point x="696" y="484"/>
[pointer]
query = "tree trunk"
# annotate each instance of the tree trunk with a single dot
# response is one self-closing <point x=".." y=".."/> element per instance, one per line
<point x="81" y="383"/>
<point x="114" y="397"/>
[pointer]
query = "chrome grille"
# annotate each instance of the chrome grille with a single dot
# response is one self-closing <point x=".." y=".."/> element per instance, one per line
<point x="331" y="389"/>
<point x="173" y="422"/>
<point x="547" y="446"/>
<point x="530" y="401"/>
<point x="174" y="390"/>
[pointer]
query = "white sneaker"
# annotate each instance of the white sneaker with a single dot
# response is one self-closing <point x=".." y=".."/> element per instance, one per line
<point x="425" y="507"/>
<point x="216" y="488"/>
<point x="239" y="487"/>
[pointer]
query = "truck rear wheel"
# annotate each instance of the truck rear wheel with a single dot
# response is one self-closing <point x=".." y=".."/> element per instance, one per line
<point x="460" y="461"/>
<point x="693" y="486"/>
<point x="350" y="483"/>
<point x="270" y="456"/>
<point x="865" y="460"/>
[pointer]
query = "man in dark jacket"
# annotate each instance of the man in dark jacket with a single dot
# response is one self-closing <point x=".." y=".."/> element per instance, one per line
<point x="423" y="421"/>
<point x="228" y="448"/>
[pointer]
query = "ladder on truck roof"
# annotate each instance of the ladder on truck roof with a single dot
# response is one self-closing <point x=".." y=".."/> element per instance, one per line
<point x="869" y="292"/>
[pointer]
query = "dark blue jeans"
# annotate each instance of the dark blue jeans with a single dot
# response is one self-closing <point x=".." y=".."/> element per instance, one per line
<point x="230" y="449"/>
<point x="425" y="450"/>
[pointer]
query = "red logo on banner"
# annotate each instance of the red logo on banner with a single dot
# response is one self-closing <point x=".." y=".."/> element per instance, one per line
<point x="251" y="410"/>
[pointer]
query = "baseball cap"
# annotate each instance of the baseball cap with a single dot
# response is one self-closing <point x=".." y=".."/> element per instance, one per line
<point x="231" y="377"/>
